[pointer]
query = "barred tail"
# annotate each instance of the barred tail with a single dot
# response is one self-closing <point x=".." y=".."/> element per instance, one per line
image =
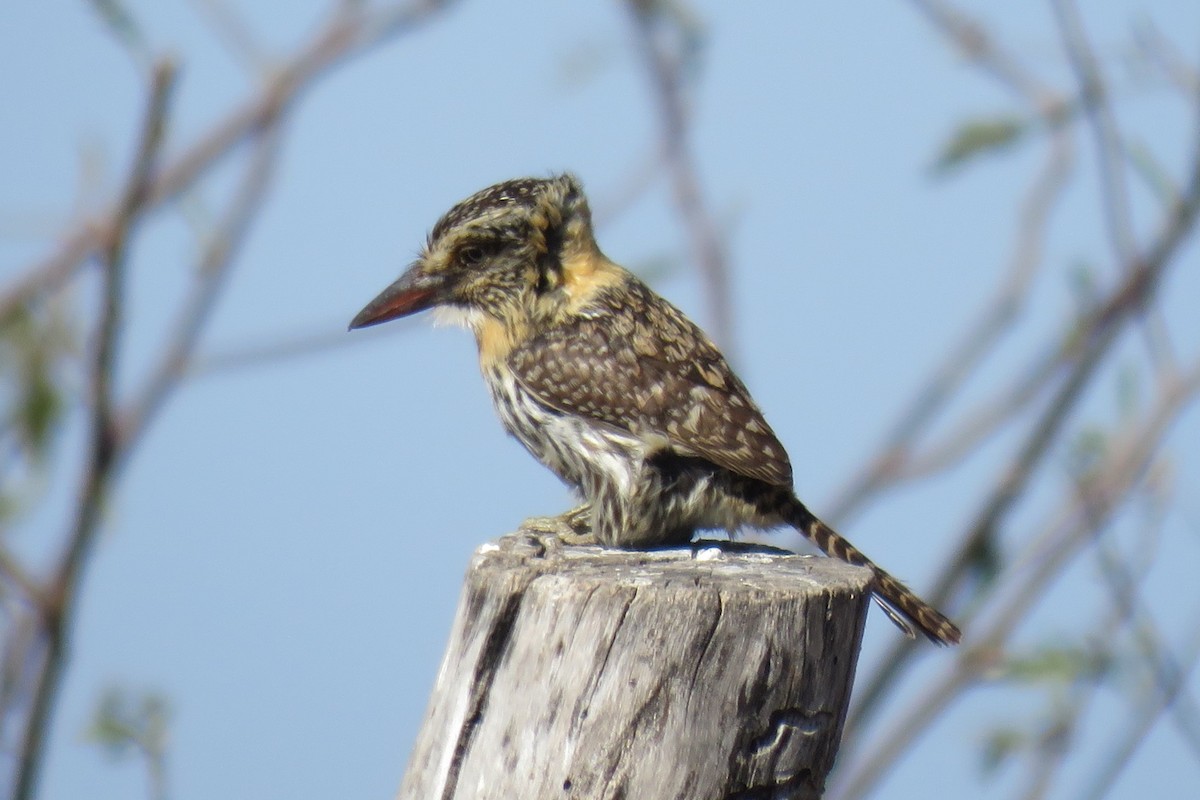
<point x="897" y="600"/>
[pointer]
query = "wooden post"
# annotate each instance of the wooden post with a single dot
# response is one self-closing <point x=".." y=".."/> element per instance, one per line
<point x="591" y="674"/>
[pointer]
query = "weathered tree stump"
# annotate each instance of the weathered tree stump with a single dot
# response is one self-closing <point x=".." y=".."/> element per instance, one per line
<point x="579" y="672"/>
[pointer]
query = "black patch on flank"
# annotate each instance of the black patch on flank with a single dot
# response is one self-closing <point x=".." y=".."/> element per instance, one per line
<point x="680" y="473"/>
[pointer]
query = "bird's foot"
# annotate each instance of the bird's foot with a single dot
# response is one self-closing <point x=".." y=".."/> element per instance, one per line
<point x="572" y="528"/>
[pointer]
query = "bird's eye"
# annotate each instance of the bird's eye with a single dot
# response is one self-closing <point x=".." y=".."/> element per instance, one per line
<point x="471" y="255"/>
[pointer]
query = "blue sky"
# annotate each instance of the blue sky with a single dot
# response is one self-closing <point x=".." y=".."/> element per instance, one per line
<point x="286" y="548"/>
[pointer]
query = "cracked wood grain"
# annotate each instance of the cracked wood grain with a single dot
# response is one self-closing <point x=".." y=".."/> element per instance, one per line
<point x="581" y="672"/>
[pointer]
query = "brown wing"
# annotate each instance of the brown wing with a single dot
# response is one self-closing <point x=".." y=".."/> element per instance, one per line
<point x="633" y="361"/>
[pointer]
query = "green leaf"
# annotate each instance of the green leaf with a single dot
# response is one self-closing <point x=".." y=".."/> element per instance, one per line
<point x="1057" y="664"/>
<point x="1087" y="451"/>
<point x="125" y="720"/>
<point x="979" y="137"/>
<point x="41" y="408"/>
<point x="32" y="348"/>
<point x="1128" y="390"/>
<point x="999" y="746"/>
<point x="123" y="26"/>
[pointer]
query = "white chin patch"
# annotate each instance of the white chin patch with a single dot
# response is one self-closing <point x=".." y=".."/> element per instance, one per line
<point x="456" y="317"/>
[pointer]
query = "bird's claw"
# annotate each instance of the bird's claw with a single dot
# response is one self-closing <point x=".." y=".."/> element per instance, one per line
<point x="572" y="528"/>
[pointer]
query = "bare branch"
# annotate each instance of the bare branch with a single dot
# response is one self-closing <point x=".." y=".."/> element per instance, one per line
<point x="124" y="28"/>
<point x="1050" y="750"/>
<point x="282" y="348"/>
<point x="1086" y="351"/>
<point x="16" y="574"/>
<point x="105" y="237"/>
<point x="223" y="245"/>
<point x="58" y="609"/>
<point x="1168" y="676"/>
<point x="1073" y="527"/>
<point x="1163" y="51"/>
<point x="896" y="461"/>
<point x="1128" y="741"/>
<point x="1124" y="577"/>
<point x="351" y="32"/>
<point x="976" y="44"/>
<point x="1110" y="154"/>
<point x="1109" y="150"/>
<point x="666" y="70"/>
<point x="231" y="29"/>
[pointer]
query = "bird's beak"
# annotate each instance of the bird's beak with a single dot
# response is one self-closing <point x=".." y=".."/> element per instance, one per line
<point x="414" y="291"/>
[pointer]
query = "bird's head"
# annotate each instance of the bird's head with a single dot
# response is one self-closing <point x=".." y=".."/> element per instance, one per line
<point x="494" y="253"/>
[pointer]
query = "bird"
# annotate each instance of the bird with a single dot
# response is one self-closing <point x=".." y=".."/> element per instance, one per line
<point x="610" y="386"/>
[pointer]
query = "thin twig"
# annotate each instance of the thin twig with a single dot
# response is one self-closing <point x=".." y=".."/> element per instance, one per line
<point x="218" y="255"/>
<point x="20" y="646"/>
<point x="1127" y="743"/>
<point x="667" y="75"/>
<point x="1110" y="156"/>
<point x="1164" y="667"/>
<point x="16" y="574"/>
<point x="233" y="33"/>
<point x="1125" y="580"/>
<point x="976" y="44"/>
<point x="896" y="461"/>
<point x="1163" y="52"/>
<point x="281" y="348"/>
<point x="1049" y="753"/>
<point x="1088" y="348"/>
<point x="1072" y="529"/>
<point x="58" y="611"/>
<point x="350" y="33"/>
<point x="1109" y="150"/>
